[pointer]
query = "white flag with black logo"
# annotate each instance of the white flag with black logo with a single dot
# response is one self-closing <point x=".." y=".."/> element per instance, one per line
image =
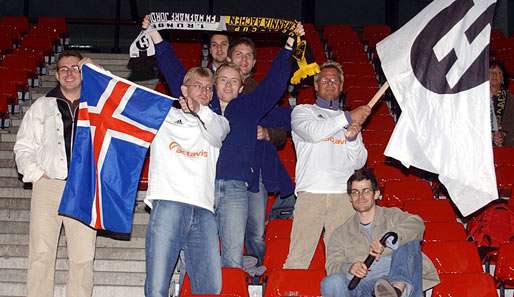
<point x="437" y="66"/>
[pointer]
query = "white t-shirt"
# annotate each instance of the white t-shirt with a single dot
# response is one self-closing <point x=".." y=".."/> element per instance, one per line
<point x="183" y="158"/>
<point x="325" y="159"/>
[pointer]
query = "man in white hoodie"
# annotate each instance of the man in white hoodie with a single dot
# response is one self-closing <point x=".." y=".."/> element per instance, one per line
<point x="181" y="191"/>
<point x="329" y="149"/>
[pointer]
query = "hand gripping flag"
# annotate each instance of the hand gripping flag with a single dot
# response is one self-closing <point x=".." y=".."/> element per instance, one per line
<point x="116" y="123"/>
<point x="437" y="67"/>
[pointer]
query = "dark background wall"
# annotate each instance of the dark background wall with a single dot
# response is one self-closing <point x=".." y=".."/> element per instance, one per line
<point x="358" y="13"/>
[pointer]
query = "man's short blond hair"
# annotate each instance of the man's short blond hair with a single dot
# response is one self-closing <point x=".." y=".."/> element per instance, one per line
<point x="198" y="72"/>
<point x="230" y="65"/>
<point x="333" y="65"/>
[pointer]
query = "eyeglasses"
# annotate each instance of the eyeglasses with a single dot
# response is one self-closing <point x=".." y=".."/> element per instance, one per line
<point x="199" y="87"/>
<point x="367" y="192"/>
<point x="326" y="81"/>
<point x="72" y="69"/>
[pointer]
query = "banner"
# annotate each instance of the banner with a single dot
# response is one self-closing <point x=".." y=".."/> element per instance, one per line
<point x="116" y="123"/>
<point x="437" y="67"/>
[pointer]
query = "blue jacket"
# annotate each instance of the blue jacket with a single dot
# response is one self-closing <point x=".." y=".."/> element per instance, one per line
<point x="237" y="155"/>
<point x="274" y="176"/>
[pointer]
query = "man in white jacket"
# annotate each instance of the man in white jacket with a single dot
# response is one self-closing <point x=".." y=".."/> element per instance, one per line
<point x="181" y="191"/>
<point x="329" y="149"/>
<point x="43" y="149"/>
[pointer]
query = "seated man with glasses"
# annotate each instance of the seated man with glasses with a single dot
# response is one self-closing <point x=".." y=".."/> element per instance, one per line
<point x="43" y="150"/>
<point x="399" y="270"/>
<point x="181" y="191"/>
<point x="329" y="149"/>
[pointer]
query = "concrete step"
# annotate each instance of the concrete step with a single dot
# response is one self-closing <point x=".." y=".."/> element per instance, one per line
<point x="10" y="182"/>
<point x="8" y="172"/>
<point x="14" y="203"/>
<point x="102" y="253"/>
<point x="19" y="289"/>
<point x="6" y="155"/>
<point x="7" y="163"/>
<point x="23" y="215"/>
<point x="7" y="146"/>
<point x="13" y="227"/>
<point x="62" y="264"/>
<point x="100" y="278"/>
<point x="101" y="241"/>
<point x="9" y="137"/>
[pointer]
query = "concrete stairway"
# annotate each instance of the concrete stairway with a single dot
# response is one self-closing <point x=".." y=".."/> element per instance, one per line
<point x="119" y="264"/>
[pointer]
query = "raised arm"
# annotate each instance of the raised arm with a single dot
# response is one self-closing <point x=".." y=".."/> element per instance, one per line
<point x="169" y="64"/>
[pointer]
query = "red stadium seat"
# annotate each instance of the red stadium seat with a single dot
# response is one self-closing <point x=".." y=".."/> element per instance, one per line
<point x="385" y="172"/>
<point x="376" y="137"/>
<point x="465" y="285"/>
<point x="305" y="96"/>
<point x="444" y="231"/>
<point x="453" y="256"/>
<point x="278" y="228"/>
<point x="294" y="282"/>
<point x="20" y="22"/>
<point x="397" y="192"/>
<point x="376" y="155"/>
<point x="276" y="254"/>
<point x="234" y="283"/>
<point x="56" y="23"/>
<point x="431" y="210"/>
<point x="504" y="179"/>
<point x="504" y="271"/>
<point x="503" y="156"/>
<point x="379" y="123"/>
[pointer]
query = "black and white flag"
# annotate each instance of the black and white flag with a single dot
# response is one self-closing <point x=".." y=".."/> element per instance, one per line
<point x="437" y="67"/>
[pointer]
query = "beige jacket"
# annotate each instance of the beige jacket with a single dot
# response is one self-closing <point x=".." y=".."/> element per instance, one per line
<point x="348" y="244"/>
<point x="39" y="147"/>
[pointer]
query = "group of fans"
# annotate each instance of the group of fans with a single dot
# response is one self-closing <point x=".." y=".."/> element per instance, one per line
<point x="212" y="164"/>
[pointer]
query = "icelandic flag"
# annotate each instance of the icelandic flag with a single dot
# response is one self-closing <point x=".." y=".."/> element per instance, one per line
<point x="437" y="67"/>
<point x="116" y="123"/>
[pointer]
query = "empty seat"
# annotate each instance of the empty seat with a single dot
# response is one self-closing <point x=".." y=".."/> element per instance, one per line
<point x="504" y="179"/>
<point x="453" y="256"/>
<point x="397" y="192"/>
<point x="385" y="173"/>
<point x="444" y="231"/>
<point x="294" y="282"/>
<point x="465" y="285"/>
<point x="431" y="210"/>
<point x="379" y="123"/>
<point x="305" y="96"/>
<point x="376" y="137"/>
<point x="234" y="283"/>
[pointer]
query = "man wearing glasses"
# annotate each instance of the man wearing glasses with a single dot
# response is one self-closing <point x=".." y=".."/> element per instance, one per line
<point x="329" y="149"/>
<point x="42" y="151"/>
<point x="399" y="270"/>
<point x="181" y="191"/>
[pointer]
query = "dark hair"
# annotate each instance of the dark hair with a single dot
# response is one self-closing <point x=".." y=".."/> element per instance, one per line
<point x="242" y="40"/>
<point x="219" y="33"/>
<point x="69" y="54"/>
<point x="360" y="175"/>
<point x="501" y="65"/>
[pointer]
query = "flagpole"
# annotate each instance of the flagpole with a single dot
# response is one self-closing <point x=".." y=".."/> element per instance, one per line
<point x="379" y="94"/>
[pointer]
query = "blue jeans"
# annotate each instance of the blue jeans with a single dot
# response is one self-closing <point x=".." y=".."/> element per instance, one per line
<point x="406" y="266"/>
<point x="174" y="226"/>
<point x="254" y="237"/>
<point x="231" y="215"/>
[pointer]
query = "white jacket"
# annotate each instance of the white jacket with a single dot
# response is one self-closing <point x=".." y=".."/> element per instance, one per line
<point x="183" y="158"/>
<point x="325" y="159"/>
<point x="39" y="147"/>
